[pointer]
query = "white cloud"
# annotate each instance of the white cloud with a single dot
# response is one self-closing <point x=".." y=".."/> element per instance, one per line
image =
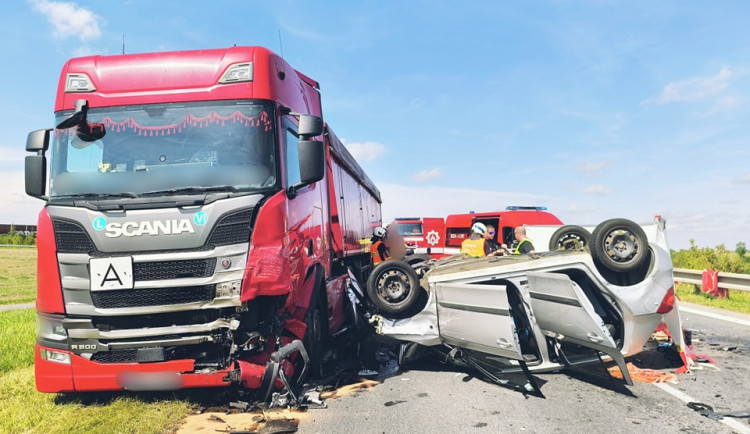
<point x="18" y="208"/>
<point x="692" y="89"/>
<point x="745" y="179"/>
<point x="596" y="189"/>
<point x="367" y="151"/>
<point x="431" y="201"/>
<point x="428" y="175"/>
<point x="69" y="20"/>
<point x="594" y="168"/>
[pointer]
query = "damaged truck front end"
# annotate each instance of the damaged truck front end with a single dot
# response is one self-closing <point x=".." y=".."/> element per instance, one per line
<point x="197" y="227"/>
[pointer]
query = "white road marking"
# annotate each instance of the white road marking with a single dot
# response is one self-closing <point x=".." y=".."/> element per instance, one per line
<point x="730" y="422"/>
<point x="715" y="316"/>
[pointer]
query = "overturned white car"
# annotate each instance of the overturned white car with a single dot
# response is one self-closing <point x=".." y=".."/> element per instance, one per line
<point x="604" y="296"/>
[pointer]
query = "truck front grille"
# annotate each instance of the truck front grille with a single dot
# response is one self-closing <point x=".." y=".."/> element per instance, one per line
<point x="71" y="238"/>
<point x="232" y="229"/>
<point x="166" y="270"/>
<point x="205" y="354"/>
<point x="118" y="356"/>
<point x="152" y="296"/>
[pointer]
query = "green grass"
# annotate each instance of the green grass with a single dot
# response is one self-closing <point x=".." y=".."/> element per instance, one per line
<point x="738" y="301"/>
<point x="26" y="410"/>
<point x="17" y="275"/>
<point x="17" y="331"/>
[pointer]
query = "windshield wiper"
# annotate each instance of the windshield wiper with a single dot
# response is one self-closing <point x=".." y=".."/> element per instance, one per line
<point x="194" y="190"/>
<point x="99" y="195"/>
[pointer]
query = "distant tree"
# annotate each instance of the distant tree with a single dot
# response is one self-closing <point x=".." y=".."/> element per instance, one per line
<point x="701" y="258"/>
<point x="741" y="249"/>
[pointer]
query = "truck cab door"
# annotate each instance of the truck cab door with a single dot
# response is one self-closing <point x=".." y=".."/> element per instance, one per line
<point x="564" y="312"/>
<point x="477" y="317"/>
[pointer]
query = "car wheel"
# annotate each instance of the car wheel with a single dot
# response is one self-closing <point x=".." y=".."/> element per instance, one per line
<point x="415" y="259"/>
<point x="393" y="287"/>
<point x="570" y="237"/>
<point x="619" y="245"/>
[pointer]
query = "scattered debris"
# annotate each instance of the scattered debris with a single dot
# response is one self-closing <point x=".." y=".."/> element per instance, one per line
<point x="708" y="411"/>
<point x="643" y="375"/>
<point x="217" y="418"/>
<point x="349" y="389"/>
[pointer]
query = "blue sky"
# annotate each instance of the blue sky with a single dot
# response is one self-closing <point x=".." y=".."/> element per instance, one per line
<point x="595" y="109"/>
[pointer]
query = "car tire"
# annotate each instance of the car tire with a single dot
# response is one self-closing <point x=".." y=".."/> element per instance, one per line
<point x="417" y="258"/>
<point x="570" y="237"/>
<point x="393" y="287"/>
<point x="619" y="245"/>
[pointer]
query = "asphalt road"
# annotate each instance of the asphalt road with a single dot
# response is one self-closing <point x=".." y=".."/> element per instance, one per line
<point x="432" y="397"/>
<point x="435" y="398"/>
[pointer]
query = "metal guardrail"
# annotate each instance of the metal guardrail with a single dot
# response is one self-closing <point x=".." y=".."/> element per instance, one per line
<point x="726" y="280"/>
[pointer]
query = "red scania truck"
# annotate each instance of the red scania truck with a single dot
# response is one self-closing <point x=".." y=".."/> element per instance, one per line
<point x="200" y="226"/>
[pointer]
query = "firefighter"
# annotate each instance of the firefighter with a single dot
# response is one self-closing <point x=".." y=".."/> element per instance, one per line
<point x="474" y="246"/>
<point x="524" y="243"/>
<point x="378" y="248"/>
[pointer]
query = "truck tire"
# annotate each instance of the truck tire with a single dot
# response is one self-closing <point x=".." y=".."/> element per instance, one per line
<point x="619" y="245"/>
<point x="570" y="237"/>
<point x="393" y="287"/>
<point x="316" y="333"/>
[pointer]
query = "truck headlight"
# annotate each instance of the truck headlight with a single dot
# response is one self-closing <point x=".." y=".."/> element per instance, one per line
<point x="50" y="328"/>
<point x="55" y="356"/>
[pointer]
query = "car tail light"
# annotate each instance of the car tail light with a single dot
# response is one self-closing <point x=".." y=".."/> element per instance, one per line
<point x="667" y="303"/>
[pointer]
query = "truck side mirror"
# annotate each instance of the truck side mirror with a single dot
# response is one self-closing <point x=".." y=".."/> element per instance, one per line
<point x="36" y="175"/>
<point x="36" y="165"/>
<point x="311" y="161"/>
<point x="310" y="126"/>
<point x="38" y="140"/>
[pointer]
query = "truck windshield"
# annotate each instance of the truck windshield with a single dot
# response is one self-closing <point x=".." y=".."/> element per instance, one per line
<point x="173" y="148"/>
<point x="409" y="229"/>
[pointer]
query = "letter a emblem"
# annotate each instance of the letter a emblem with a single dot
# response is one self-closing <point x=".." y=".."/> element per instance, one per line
<point x="111" y="276"/>
<point x="111" y="273"/>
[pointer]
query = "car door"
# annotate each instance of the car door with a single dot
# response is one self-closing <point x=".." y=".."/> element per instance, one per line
<point x="477" y="317"/>
<point x="564" y="312"/>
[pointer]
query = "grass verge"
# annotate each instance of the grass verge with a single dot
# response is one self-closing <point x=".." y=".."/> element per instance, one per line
<point x="26" y="410"/>
<point x="738" y="301"/>
<point x="17" y="275"/>
<point x="17" y="334"/>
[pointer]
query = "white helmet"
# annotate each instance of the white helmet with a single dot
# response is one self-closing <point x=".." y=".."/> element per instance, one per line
<point x="479" y="228"/>
<point x="379" y="232"/>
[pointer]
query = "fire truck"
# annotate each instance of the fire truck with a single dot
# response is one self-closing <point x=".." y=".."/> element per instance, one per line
<point x="201" y="226"/>
<point x="440" y="238"/>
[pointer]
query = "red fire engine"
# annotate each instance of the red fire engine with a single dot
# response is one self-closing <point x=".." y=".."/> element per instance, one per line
<point x="439" y="238"/>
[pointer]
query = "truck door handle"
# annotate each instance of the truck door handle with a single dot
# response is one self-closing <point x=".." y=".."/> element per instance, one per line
<point x="593" y="337"/>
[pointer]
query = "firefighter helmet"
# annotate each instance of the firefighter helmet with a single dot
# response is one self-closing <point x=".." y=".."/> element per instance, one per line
<point x="479" y="228"/>
<point x="379" y="232"/>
